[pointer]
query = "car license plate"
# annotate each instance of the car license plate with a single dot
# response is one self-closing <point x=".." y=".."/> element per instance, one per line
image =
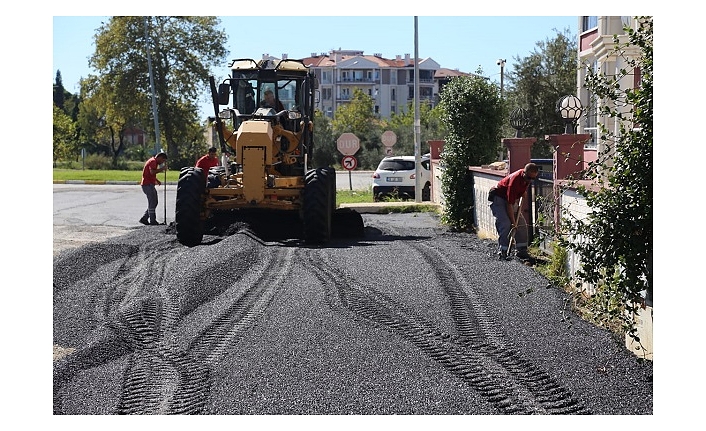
<point x="394" y="179"/>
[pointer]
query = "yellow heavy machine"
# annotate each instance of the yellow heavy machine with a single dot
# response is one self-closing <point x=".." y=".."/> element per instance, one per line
<point x="270" y="131"/>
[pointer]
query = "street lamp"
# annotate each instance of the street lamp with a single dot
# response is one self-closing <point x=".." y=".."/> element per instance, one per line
<point x="570" y="109"/>
<point x="519" y="119"/>
<point x="501" y="63"/>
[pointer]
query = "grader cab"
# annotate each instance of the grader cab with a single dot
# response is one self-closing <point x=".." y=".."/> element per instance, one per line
<point x="270" y="131"/>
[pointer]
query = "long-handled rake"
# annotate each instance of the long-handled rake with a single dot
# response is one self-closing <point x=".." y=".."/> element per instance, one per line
<point x="165" y="197"/>
<point x="513" y="230"/>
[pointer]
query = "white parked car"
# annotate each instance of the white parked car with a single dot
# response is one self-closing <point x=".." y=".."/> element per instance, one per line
<point x="395" y="177"/>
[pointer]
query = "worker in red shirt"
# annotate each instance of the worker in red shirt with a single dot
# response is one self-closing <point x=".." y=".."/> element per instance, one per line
<point x="208" y="161"/>
<point x="149" y="179"/>
<point x="504" y="207"/>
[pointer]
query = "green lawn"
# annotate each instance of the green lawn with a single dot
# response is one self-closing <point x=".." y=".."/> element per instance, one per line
<point x="354" y="196"/>
<point x="107" y="175"/>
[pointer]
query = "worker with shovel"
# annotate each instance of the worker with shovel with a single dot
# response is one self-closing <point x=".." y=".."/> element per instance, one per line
<point x="506" y="204"/>
<point x="148" y="182"/>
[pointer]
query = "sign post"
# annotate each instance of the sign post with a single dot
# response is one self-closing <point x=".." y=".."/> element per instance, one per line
<point x="348" y="144"/>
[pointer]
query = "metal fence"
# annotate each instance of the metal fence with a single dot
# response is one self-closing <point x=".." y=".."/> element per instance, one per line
<point x="543" y="209"/>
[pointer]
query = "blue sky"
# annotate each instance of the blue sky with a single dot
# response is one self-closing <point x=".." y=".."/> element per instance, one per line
<point x="462" y="42"/>
<point x="455" y="42"/>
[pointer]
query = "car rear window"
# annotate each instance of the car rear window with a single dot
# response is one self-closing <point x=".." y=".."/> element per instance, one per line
<point x="396" y="165"/>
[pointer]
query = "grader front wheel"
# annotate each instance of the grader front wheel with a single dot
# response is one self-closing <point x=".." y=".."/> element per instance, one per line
<point x="317" y="208"/>
<point x="187" y="219"/>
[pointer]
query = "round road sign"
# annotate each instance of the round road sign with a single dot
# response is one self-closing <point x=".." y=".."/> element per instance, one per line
<point x="349" y="162"/>
<point x="348" y="144"/>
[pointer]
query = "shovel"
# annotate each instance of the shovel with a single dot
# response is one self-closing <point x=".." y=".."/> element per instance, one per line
<point x="511" y="235"/>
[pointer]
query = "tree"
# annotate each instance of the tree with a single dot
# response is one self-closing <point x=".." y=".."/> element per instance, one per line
<point x="59" y="91"/>
<point x="325" y="151"/>
<point x="615" y="241"/>
<point x="182" y="51"/>
<point x="357" y="117"/>
<point x="69" y="106"/>
<point x="431" y="127"/>
<point x="64" y="131"/>
<point x="473" y="114"/>
<point x="538" y="81"/>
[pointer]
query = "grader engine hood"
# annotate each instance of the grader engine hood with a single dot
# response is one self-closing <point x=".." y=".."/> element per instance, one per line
<point x="255" y="134"/>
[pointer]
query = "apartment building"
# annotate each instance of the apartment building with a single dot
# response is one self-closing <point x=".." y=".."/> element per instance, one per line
<point x="390" y="82"/>
<point x="596" y="52"/>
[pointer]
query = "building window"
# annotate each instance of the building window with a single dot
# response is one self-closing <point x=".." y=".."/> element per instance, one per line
<point x="588" y="23"/>
<point x="325" y="77"/>
<point x="591" y="116"/>
<point x="326" y="93"/>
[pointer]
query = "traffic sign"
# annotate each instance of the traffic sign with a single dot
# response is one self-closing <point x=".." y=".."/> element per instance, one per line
<point x="349" y="162"/>
<point x="389" y="138"/>
<point x="348" y="144"/>
<point x="388" y="151"/>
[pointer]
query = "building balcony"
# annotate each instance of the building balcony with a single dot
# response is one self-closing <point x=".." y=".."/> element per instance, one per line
<point x="357" y="81"/>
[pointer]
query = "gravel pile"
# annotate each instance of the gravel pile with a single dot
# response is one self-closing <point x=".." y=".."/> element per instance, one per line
<point x="409" y="320"/>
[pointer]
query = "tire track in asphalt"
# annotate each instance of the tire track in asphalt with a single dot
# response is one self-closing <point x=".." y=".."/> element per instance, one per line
<point x="179" y="382"/>
<point x="479" y="354"/>
<point x="143" y="319"/>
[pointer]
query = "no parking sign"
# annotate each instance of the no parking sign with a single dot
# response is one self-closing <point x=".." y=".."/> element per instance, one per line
<point x="349" y="163"/>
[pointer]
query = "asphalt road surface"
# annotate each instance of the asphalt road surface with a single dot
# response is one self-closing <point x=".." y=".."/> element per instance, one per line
<point x="410" y="319"/>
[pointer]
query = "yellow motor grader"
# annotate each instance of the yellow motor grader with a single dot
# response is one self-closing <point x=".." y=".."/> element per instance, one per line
<point x="269" y="130"/>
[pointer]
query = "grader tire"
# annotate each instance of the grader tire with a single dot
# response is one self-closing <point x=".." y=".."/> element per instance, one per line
<point x="187" y="218"/>
<point x="316" y="207"/>
<point x="330" y="175"/>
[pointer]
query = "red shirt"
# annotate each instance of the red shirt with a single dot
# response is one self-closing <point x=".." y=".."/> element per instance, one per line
<point x="206" y="163"/>
<point x="147" y="176"/>
<point x="513" y="186"/>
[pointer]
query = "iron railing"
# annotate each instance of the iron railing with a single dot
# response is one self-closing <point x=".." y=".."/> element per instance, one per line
<point x="543" y="208"/>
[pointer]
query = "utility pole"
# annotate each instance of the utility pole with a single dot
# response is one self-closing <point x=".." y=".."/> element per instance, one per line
<point x="417" y="124"/>
<point x="157" y="141"/>
<point x="501" y="63"/>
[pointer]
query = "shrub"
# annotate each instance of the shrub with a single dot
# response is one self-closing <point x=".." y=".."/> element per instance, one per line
<point x="98" y="162"/>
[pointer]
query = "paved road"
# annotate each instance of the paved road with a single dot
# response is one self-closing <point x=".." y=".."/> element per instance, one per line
<point x="345" y="180"/>
<point x="354" y="180"/>
<point x="411" y="319"/>
<point x="82" y="212"/>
